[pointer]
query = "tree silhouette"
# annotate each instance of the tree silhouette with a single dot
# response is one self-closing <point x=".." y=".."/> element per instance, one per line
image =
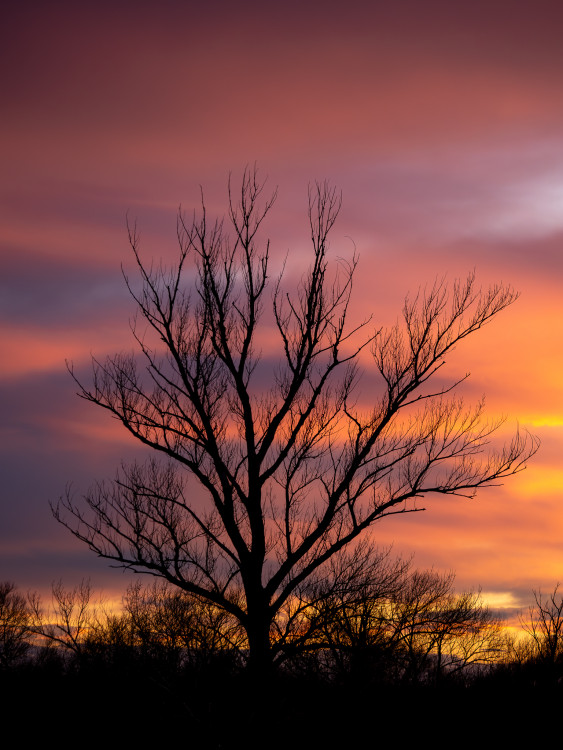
<point x="15" y="625"/>
<point x="374" y="618"/>
<point x="70" y="620"/>
<point x="442" y="633"/>
<point x="291" y="470"/>
<point x="544" y="625"/>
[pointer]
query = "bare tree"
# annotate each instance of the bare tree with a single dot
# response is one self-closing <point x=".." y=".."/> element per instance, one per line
<point x="169" y="620"/>
<point x="441" y="632"/>
<point x="70" y="620"/>
<point x="409" y="623"/>
<point x="292" y="473"/>
<point x="545" y="627"/>
<point x="15" y="625"/>
<point x="338" y="612"/>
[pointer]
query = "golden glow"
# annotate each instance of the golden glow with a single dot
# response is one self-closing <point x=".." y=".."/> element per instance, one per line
<point x="500" y="599"/>
<point x="545" y="421"/>
<point x="536" y="482"/>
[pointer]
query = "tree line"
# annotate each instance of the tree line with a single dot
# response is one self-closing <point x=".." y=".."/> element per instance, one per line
<point x="375" y="619"/>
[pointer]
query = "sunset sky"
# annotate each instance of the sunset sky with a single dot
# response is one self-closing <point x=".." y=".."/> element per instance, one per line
<point x="442" y="124"/>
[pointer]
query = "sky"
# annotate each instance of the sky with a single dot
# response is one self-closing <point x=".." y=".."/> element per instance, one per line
<point x="440" y="122"/>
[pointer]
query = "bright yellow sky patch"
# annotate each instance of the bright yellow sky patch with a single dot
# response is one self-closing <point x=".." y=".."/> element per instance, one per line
<point x="546" y="480"/>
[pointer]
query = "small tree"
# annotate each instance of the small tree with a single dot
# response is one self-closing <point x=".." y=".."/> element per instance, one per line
<point x="342" y="615"/>
<point x="292" y="470"/>
<point x="545" y="627"/>
<point x="71" y="619"/>
<point x="174" y="623"/>
<point x="408" y="624"/>
<point x="15" y="625"/>
<point x="440" y="632"/>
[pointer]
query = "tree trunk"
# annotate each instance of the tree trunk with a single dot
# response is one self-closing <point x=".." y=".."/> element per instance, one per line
<point x="260" y="663"/>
